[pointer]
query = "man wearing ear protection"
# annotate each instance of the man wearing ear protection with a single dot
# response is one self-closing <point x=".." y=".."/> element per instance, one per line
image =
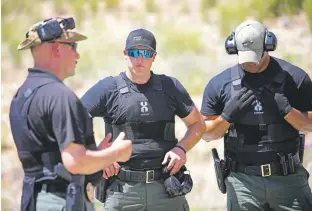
<point x="144" y="105"/>
<point x="261" y="107"/>
<point x="52" y="130"/>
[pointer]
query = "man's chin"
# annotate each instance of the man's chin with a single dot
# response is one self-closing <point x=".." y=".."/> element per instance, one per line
<point x="140" y="70"/>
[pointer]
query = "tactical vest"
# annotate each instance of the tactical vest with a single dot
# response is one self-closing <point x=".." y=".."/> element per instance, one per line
<point x="262" y="131"/>
<point x="38" y="160"/>
<point x="148" y="122"/>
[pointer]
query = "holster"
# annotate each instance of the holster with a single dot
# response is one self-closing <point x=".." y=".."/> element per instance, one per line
<point x="220" y="170"/>
<point x="100" y="190"/>
<point x="301" y="146"/>
<point x="75" y="197"/>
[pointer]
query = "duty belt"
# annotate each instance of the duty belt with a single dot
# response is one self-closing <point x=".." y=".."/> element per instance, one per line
<point x="147" y="176"/>
<point x="286" y="165"/>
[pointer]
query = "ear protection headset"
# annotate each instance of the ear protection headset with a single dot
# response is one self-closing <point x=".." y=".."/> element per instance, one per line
<point x="269" y="43"/>
<point x="179" y="184"/>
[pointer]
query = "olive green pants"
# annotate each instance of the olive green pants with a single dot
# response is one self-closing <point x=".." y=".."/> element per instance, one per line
<point x="128" y="196"/>
<point x="56" y="201"/>
<point x="50" y="201"/>
<point x="278" y="193"/>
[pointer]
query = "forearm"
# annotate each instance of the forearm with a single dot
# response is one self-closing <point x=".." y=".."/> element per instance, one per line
<point x="83" y="161"/>
<point x="300" y="121"/>
<point x="192" y="136"/>
<point x="215" y="129"/>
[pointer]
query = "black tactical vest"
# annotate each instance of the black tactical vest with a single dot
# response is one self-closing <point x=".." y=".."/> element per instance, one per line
<point x="38" y="159"/>
<point x="262" y="129"/>
<point x="149" y="123"/>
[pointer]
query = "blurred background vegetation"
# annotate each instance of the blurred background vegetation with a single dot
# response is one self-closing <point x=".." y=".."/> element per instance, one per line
<point x="190" y="43"/>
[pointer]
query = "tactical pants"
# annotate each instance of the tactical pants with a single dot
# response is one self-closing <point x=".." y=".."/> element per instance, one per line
<point x="47" y="201"/>
<point x="278" y="193"/>
<point x="129" y="196"/>
<point x="56" y="201"/>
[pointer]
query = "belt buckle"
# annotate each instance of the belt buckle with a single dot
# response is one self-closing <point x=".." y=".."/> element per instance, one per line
<point x="148" y="173"/>
<point x="266" y="170"/>
<point x="90" y="191"/>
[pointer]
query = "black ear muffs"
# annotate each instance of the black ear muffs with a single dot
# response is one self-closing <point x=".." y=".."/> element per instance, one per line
<point x="230" y="44"/>
<point x="269" y="43"/>
<point x="179" y="184"/>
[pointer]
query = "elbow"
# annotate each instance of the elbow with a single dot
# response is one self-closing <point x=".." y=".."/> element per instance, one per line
<point x="210" y="137"/>
<point x="72" y="168"/>
<point x="73" y="163"/>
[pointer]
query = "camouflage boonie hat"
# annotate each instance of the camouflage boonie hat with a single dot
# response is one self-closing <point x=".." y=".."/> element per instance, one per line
<point x="32" y="37"/>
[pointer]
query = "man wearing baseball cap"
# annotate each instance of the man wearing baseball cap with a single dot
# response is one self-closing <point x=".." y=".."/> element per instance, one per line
<point x="52" y="130"/>
<point x="144" y="104"/>
<point x="261" y="106"/>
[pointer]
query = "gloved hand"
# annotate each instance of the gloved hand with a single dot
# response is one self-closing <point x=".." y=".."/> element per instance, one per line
<point x="282" y="103"/>
<point x="238" y="105"/>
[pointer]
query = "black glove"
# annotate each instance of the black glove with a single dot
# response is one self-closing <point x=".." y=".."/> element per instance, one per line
<point x="237" y="106"/>
<point x="282" y="103"/>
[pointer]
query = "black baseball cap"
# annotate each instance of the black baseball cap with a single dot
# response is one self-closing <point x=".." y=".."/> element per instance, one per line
<point x="141" y="37"/>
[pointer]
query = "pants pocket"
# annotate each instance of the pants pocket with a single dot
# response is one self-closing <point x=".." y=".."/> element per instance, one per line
<point x="50" y="202"/>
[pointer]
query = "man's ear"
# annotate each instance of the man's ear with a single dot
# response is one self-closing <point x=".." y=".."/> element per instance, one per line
<point x="125" y="54"/>
<point x="56" y="49"/>
<point x="154" y="56"/>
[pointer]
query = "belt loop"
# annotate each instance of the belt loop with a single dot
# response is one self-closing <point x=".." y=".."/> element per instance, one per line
<point x="291" y="163"/>
<point x="283" y="163"/>
<point x="44" y="188"/>
<point x="128" y="175"/>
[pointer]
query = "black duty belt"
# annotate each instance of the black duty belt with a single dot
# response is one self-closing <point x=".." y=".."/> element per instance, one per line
<point x="52" y="188"/>
<point x="287" y="164"/>
<point x="147" y="176"/>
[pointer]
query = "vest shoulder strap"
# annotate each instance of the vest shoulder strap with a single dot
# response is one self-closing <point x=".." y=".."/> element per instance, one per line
<point x="157" y="81"/>
<point x="121" y="84"/>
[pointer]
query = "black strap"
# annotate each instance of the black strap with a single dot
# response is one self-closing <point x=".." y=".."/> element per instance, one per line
<point x="121" y="85"/>
<point x="236" y="81"/>
<point x="52" y="187"/>
<point x="147" y="176"/>
<point x="39" y="164"/>
<point x="274" y="132"/>
<point x="274" y="168"/>
<point x="158" y="130"/>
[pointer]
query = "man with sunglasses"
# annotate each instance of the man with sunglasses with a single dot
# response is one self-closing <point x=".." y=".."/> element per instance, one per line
<point x="52" y="130"/>
<point x="143" y="105"/>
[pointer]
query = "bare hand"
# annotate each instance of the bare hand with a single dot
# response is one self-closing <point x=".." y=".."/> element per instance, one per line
<point x="111" y="170"/>
<point x="123" y="147"/>
<point x="105" y="143"/>
<point x="178" y="159"/>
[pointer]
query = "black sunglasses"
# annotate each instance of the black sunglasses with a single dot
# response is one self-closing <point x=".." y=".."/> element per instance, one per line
<point x="72" y="44"/>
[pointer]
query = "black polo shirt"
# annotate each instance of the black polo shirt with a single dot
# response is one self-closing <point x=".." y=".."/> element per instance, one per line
<point x="298" y="86"/>
<point x="56" y="114"/>
<point x="101" y="99"/>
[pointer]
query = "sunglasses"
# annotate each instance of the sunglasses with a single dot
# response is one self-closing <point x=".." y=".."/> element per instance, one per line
<point x="72" y="44"/>
<point x="143" y="52"/>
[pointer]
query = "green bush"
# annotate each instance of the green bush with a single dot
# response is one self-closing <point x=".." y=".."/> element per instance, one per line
<point x="207" y="4"/>
<point x="151" y="6"/>
<point x="231" y="15"/>
<point x="180" y="40"/>
<point x="112" y="4"/>
<point x="307" y="6"/>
